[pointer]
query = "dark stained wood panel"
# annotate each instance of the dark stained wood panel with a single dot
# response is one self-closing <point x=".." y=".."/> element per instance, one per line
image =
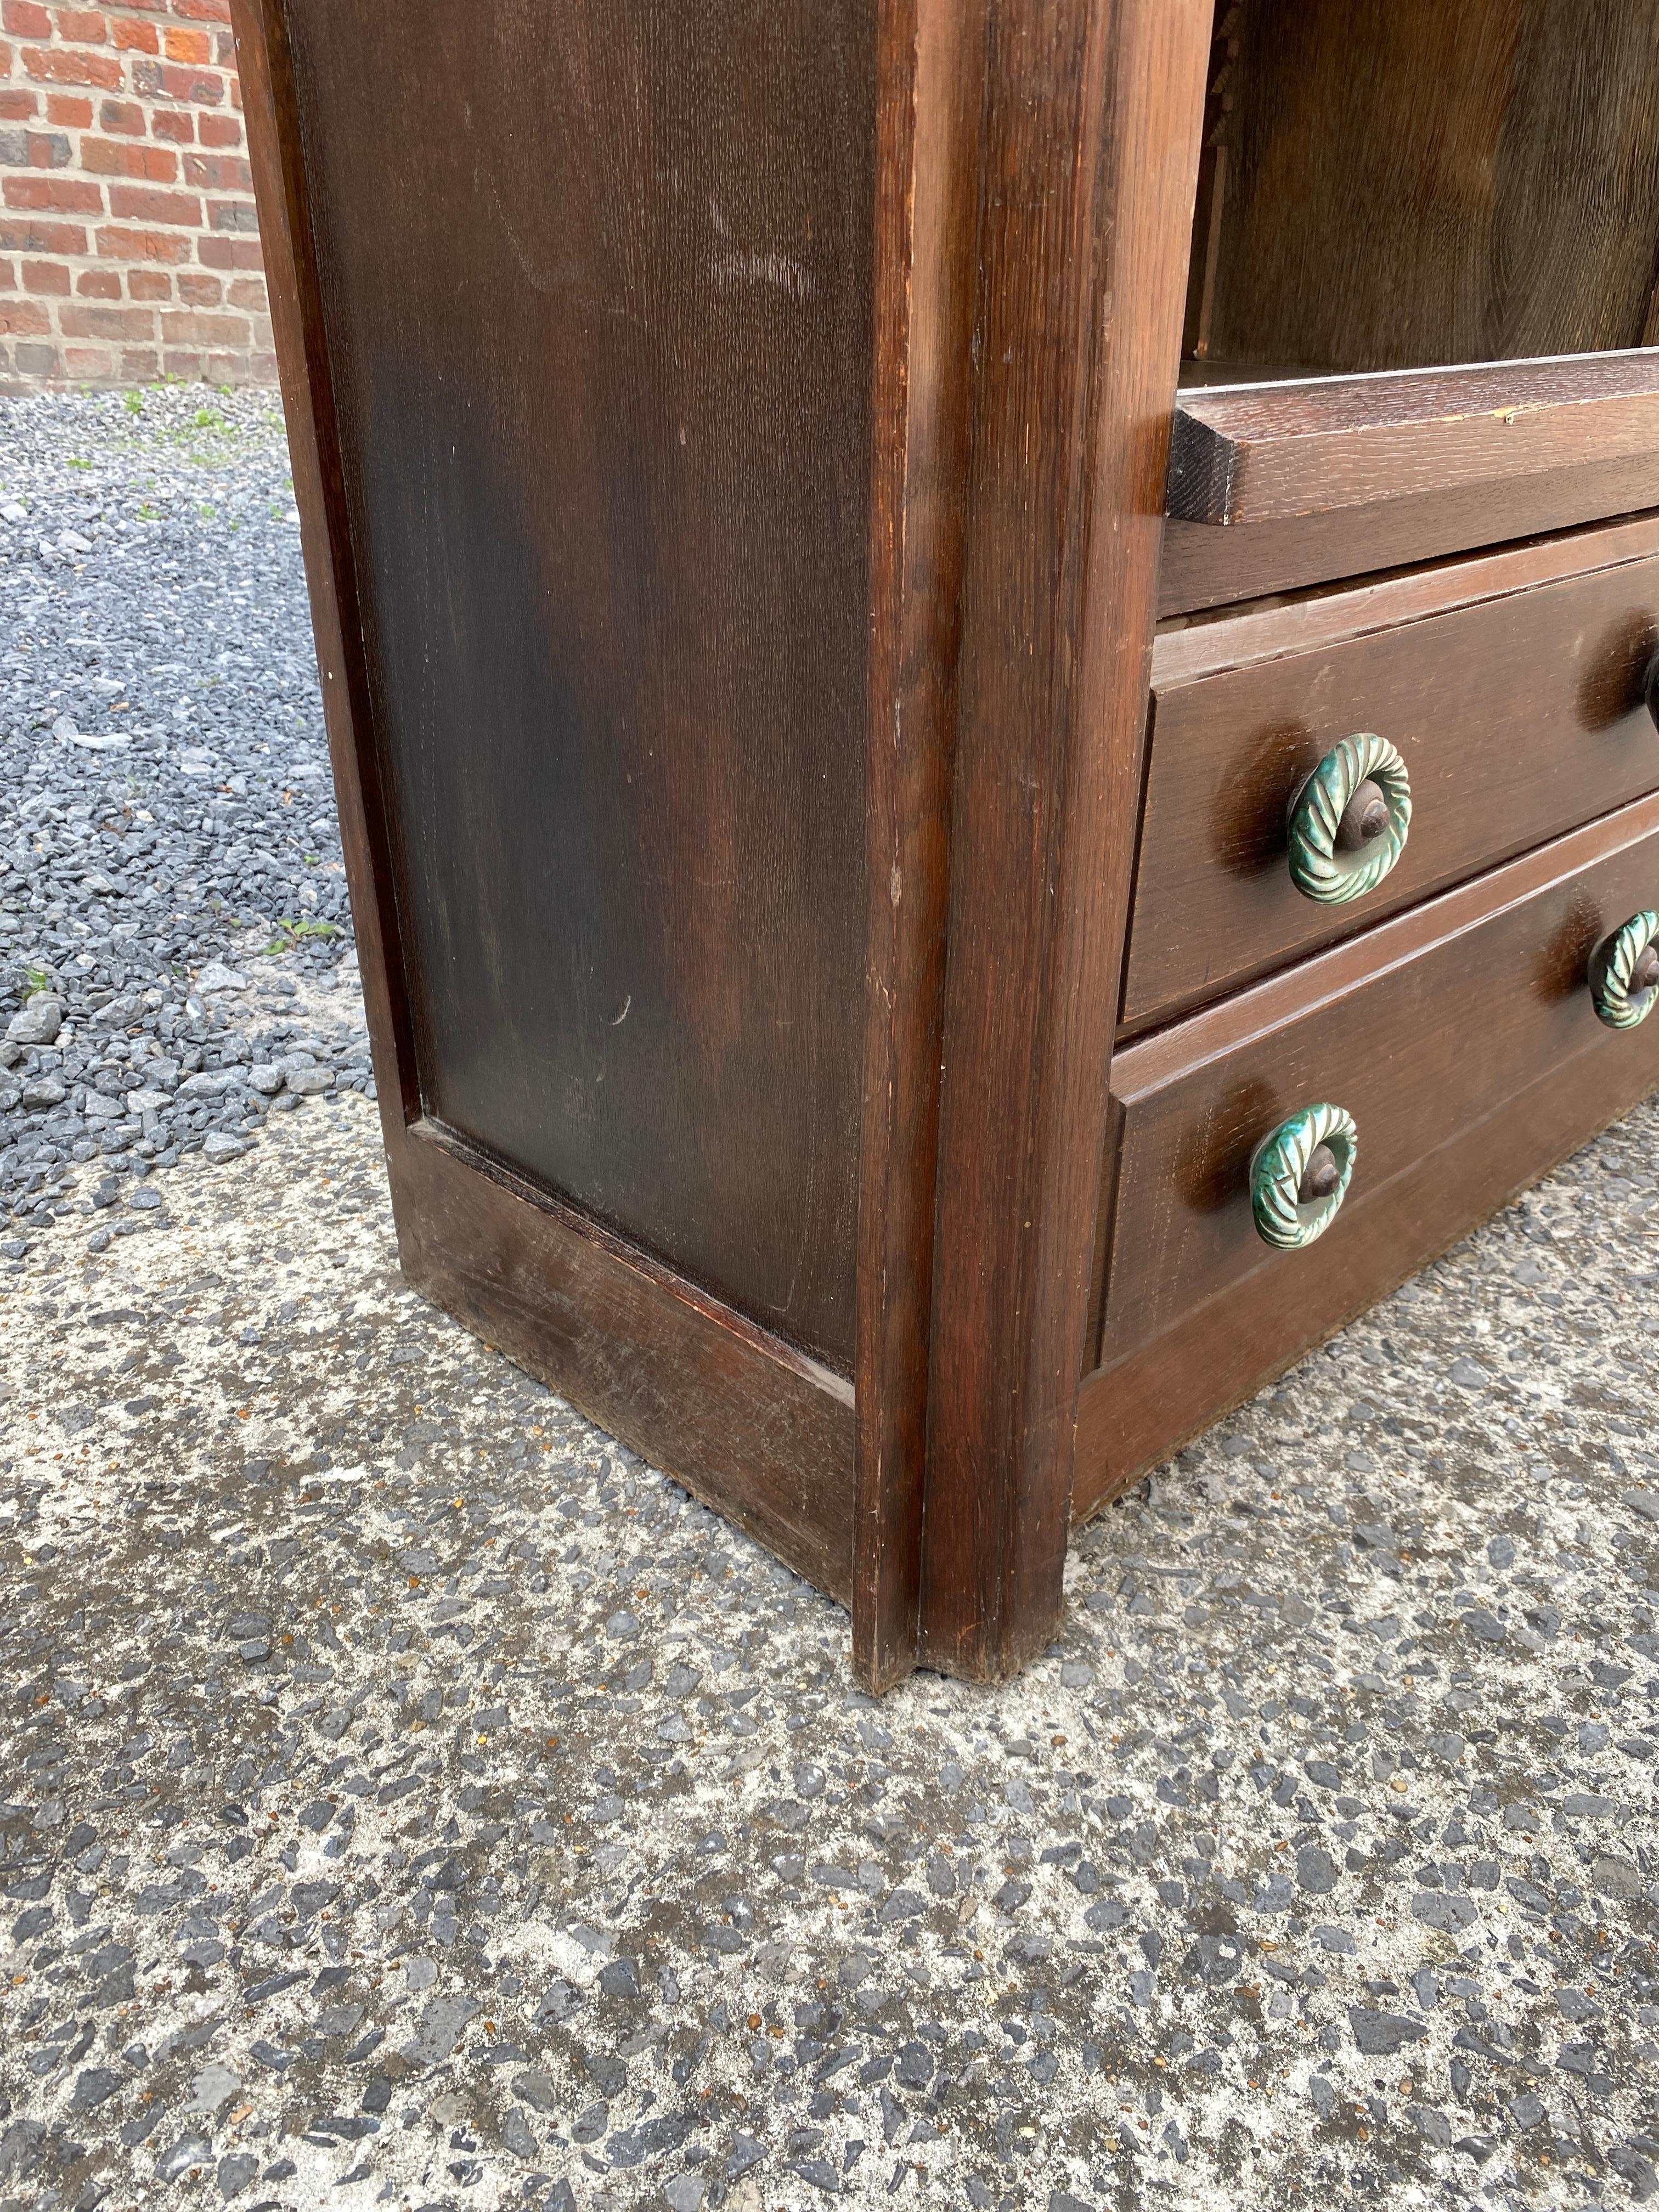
<point x="1207" y="644"/>
<point x="1262" y="452"/>
<point x="1088" y="150"/>
<point x="596" y="290"/>
<point x="1406" y="183"/>
<point x="759" y="1432"/>
<point x="1517" y="717"/>
<point x="1418" y="1029"/>
<point x="1204" y="567"/>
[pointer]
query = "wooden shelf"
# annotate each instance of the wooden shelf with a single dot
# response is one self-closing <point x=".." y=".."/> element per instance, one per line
<point x="1252" y="452"/>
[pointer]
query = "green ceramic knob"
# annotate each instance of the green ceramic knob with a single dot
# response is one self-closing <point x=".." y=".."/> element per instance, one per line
<point x="1350" y="820"/>
<point x="1299" y="1176"/>
<point x="1624" y="973"/>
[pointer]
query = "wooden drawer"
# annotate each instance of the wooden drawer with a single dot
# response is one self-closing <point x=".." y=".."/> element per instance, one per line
<point x="1462" y="1040"/>
<point x="1513" y="687"/>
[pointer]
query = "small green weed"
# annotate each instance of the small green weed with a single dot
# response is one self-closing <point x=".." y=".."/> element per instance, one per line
<point x="295" y="932"/>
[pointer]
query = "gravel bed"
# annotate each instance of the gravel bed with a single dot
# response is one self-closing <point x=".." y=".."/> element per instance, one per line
<point x="408" y="1797"/>
<point x="172" y="898"/>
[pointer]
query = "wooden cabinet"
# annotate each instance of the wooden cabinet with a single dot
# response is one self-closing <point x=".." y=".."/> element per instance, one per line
<point x="733" y="447"/>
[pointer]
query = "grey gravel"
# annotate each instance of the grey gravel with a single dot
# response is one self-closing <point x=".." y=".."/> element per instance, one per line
<point x="172" y="904"/>
<point x="412" y="1798"/>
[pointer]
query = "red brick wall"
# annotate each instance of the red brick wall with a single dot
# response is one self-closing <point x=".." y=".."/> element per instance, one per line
<point x="129" y="248"/>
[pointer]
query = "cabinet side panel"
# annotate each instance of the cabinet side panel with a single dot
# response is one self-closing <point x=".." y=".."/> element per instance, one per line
<point x="596" y="287"/>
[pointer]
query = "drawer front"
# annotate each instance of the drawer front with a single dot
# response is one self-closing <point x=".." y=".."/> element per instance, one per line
<point x="1419" y="1030"/>
<point x="1518" y="712"/>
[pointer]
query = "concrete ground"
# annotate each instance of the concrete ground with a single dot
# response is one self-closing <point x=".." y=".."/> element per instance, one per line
<point x="413" y="1799"/>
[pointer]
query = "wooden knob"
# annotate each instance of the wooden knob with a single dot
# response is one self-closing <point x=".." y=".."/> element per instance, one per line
<point x="1364" y="818"/>
<point x="1320" y="1177"/>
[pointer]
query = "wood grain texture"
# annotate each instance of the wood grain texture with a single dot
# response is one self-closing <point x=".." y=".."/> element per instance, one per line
<point x="930" y="100"/>
<point x="1418" y="1030"/>
<point x="1517" y="717"/>
<point x="1408" y="184"/>
<point x="1089" y="141"/>
<point x="596" y="293"/>
<point x="265" y="75"/>
<point x="1204" y="567"/>
<point x="1262" y="452"/>
<point x="758" y="1431"/>
<point x="1207" y="644"/>
<point x="1138" y="1411"/>
<point x="758" y="1428"/>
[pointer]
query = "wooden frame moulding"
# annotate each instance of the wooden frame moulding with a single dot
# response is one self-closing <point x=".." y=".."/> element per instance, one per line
<point x="1035" y="174"/>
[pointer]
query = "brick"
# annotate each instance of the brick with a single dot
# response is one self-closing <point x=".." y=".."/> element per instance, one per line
<point x="248" y="292"/>
<point x="149" y="284"/>
<point x="141" y="367"/>
<point x="99" y="284"/>
<point x="181" y="46"/>
<point x="37" y="237"/>
<point x="22" y="318"/>
<point x="118" y="157"/>
<point x="204" y="11"/>
<point x="26" y="18"/>
<point x="15" y="148"/>
<point x="49" y="149"/>
<point x="72" y="108"/>
<point x="122" y="115"/>
<point x="18" y="103"/>
<point x="224" y="49"/>
<point x="132" y="38"/>
<point x="229" y="253"/>
<point x="174" y="81"/>
<point x="107" y="322"/>
<point x="187" y="366"/>
<point x="144" y="245"/>
<point x="46" y="277"/>
<point x="221" y="131"/>
<point x="36" y="360"/>
<point x="8" y="275"/>
<point x="81" y="26"/>
<point x="68" y="65"/>
<point x="91" y="364"/>
<point x="178" y="124"/>
<point x="143" y="203"/>
<point x="198" y="290"/>
<point x="233" y="215"/>
<point x="195" y="328"/>
<point x="64" y="195"/>
<point x="219" y="172"/>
